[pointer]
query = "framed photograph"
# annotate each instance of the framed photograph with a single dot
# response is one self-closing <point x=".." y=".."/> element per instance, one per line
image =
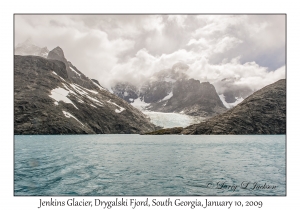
<point x="150" y="105"/>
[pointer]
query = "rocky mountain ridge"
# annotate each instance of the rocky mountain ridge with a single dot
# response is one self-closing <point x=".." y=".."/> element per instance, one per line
<point x="171" y="90"/>
<point x="51" y="96"/>
<point x="263" y="112"/>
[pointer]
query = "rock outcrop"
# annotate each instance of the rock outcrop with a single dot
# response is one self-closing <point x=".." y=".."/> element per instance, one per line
<point x="263" y="112"/>
<point x="50" y="99"/>
<point x="74" y="74"/>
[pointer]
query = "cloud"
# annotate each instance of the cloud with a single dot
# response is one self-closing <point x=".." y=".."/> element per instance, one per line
<point x="249" y="48"/>
<point x="226" y="43"/>
<point x="249" y="75"/>
<point x="179" y="19"/>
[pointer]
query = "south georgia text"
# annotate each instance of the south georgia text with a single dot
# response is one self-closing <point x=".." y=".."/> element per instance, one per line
<point x="108" y="204"/>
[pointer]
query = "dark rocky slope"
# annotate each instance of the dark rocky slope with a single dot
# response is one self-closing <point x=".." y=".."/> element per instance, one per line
<point x="170" y="90"/>
<point x="192" y="98"/>
<point x="47" y="100"/>
<point x="263" y="112"/>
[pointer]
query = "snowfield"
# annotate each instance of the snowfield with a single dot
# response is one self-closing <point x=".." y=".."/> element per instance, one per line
<point x="60" y="94"/>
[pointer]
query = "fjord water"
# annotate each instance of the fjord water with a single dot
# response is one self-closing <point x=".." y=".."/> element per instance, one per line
<point x="149" y="165"/>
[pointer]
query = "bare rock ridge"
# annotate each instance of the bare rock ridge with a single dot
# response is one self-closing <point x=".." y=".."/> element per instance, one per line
<point x="193" y="98"/>
<point x="263" y="112"/>
<point x="51" y="96"/>
<point x="73" y="73"/>
<point x="170" y="90"/>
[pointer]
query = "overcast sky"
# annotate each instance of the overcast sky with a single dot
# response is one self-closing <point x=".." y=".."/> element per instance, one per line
<point x="132" y="47"/>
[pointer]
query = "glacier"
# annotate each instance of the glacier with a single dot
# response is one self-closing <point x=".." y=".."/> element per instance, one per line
<point x="170" y="120"/>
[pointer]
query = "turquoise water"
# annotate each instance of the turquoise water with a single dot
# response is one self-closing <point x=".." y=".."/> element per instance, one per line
<point x="149" y="165"/>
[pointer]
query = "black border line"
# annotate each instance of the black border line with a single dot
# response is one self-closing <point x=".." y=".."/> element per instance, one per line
<point x="120" y="196"/>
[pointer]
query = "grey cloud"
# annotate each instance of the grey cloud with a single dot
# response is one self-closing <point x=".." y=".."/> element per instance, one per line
<point x="132" y="46"/>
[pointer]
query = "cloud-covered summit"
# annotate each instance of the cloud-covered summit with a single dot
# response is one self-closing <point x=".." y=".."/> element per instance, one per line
<point x="249" y="48"/>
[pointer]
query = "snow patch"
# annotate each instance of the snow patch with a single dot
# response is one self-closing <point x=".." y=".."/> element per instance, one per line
<point x="80" y="101"/>
<point x="75" y="71"/>
<point x="70" y="91"/>
<point x="131" y="99"/>
<point x="95" y="100"/>
<point x="56" y="103"/>
<point x="93" y="105"/>
<point x="68" y="115"/>
<point x="139" y="104"/>
<point x="81" y="89"/>
<point x="119" y="110"/>
<point x="92" y="91"/>
<point x="78" y="89"/>
<point x="58" y="75"/>
<point x="60" y="94"/>
<point x="230" y="105"/>
<point x="167" y="97"/>
<point x="101" y="88"/>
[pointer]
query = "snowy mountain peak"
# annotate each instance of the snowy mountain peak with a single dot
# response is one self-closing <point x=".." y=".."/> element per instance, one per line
<point x="28" y="48"/>
<point x="26" y="42"/>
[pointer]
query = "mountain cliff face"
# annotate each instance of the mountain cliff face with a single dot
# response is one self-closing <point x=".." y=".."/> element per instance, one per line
<point x="263" y="112"/>
<point x="192" y="98"/>
<point x="73" y="73"/>
<point x="170" y="90"/>
<point x="51" y="96"/>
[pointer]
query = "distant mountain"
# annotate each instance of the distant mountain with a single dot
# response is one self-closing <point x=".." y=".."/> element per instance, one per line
<point x="263" y="112"/>
<point x="232" y="94"/>
<point x="170" y="90"/>
<point x="192" y="98"/>
<point x="51" y="96"/>
<point x="27" y="48"/>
